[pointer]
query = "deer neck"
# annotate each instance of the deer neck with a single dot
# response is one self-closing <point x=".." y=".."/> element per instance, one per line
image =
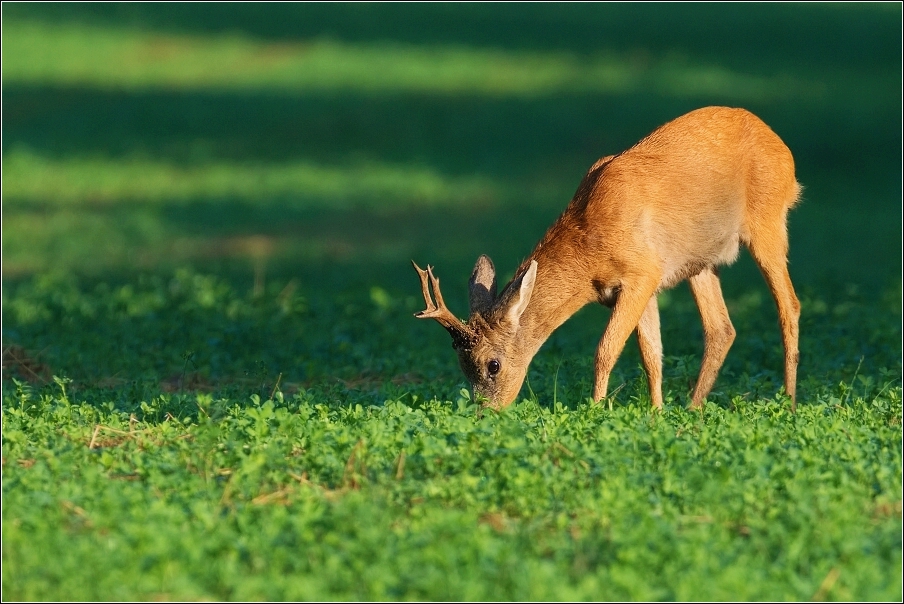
<point x="562" y="288"/>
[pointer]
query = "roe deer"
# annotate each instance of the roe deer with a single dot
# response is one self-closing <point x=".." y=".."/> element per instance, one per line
<point x="674" y="206"/>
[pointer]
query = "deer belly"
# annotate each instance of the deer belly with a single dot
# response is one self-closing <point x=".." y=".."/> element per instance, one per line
<point x="682" y="261"/>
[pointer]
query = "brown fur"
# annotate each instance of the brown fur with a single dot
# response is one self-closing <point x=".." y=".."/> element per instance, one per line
<point x="675" y="206"/>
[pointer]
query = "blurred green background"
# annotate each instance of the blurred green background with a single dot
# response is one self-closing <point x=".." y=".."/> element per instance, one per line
<point x="320" y="147"/>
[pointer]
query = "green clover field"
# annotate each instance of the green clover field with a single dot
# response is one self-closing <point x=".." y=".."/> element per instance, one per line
<point x="214" y="387"/>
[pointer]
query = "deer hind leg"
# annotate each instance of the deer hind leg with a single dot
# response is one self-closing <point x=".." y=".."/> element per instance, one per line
<point x="718" y="332"/>
<point x="649" y="339"/>
<point x="630" y="306"/>
<point x="770" y="251"/>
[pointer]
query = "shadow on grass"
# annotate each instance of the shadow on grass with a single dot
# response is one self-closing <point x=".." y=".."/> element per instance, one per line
<point x="456" y="134"/>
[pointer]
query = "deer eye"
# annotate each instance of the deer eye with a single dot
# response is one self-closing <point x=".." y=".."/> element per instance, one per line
<point x="493" y="367"/>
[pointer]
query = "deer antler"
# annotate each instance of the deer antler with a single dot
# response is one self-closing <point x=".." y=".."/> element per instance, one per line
<point x="463" y="336"/>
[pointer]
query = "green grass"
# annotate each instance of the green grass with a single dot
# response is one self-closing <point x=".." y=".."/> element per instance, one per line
<point x="201" y="497"/>
<point x="75" y="182"/>
<point x="76" y="54"/>
<point x="213" y="385"/>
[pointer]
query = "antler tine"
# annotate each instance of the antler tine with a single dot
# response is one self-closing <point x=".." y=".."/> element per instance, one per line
<point x="425" y="287"/>
<point x="440" y="304"/>
<point x="463" y="336"/>
<point x="435" y="310"/>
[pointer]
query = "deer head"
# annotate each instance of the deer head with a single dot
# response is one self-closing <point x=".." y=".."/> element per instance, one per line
<point x="490" y="352"/>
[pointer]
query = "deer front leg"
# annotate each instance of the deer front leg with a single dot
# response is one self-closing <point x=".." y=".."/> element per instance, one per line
<point x="649" y="339"/>
<point x="630" y="306"/>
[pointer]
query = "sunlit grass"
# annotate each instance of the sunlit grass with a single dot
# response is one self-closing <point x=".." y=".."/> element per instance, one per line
<point x="96" y="213"/>
<point x="92" y="241"/>
<point x="29" y="178"/>
<point x="105" y="57"/>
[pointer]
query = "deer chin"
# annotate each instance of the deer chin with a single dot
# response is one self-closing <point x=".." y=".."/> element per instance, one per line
<point x="487" y="395"/>
<point x="498" y="396"/>
<point x="484" y="402"/>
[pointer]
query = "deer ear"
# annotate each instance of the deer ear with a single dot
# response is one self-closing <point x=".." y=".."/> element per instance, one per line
<point x="519" y="300"/>
<point x="482" y="286"/>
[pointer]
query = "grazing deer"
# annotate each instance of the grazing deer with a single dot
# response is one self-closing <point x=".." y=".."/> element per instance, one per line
<point x="674" y="206"/>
